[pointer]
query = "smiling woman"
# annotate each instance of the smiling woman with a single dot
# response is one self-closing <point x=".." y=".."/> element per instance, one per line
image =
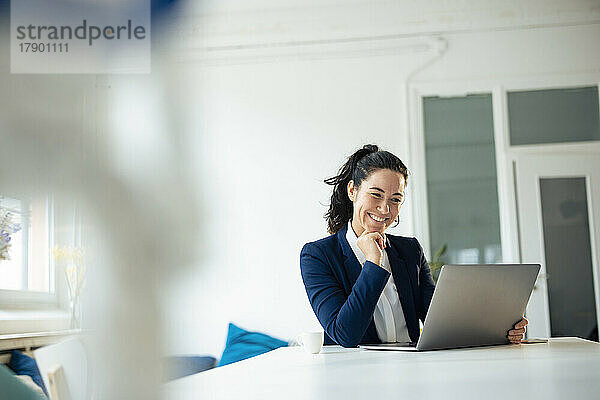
<point x="366" y="286"/>
<point x="359" y="167"/>
<point x="376" y="202"/>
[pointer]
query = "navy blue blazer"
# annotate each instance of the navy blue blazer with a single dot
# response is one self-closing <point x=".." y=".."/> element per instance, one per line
<point x="344" y="296"/>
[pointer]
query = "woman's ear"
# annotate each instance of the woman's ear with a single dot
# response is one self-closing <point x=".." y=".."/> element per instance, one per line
<point x="351" y="190"/>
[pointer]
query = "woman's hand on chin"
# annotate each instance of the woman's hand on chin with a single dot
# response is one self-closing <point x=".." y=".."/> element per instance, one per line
<point x="372" y="245"/>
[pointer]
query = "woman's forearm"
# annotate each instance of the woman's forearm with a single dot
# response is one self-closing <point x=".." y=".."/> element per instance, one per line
<point x="355" y="315"/>
<point x="344" y="317"/>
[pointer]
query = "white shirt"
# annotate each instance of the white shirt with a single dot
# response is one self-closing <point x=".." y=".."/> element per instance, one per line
<point x="389" y="317"/>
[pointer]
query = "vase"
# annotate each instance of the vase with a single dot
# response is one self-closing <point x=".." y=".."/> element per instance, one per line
<point x="75" y="318"/>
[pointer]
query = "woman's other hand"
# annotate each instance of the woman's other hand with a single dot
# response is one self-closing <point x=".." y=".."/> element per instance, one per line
<point x="516" y="335"/>
<point x="372" y="245"/>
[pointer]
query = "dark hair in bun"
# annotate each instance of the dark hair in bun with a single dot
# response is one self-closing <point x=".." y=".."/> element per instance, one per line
<point x="359" y="166"/>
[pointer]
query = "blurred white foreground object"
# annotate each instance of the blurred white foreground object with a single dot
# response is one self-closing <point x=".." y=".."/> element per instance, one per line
<point x="64" y="368"/>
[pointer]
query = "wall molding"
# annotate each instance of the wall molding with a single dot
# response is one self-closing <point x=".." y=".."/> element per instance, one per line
<point x="309" y="50"/>
<point x="268" y="31"/>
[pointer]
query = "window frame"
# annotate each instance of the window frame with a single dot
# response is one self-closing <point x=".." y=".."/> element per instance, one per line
<point x="11" y="300"/>
<point x="425" y="183"/>
<point x="504" y="151"/>
<point x="554" y="88"/>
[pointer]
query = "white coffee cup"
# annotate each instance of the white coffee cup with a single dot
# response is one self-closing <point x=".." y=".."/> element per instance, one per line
<point x="312" y="342"/>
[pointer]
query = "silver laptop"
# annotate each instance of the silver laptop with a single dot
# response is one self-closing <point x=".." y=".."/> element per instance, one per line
<point x="472" y="305"/>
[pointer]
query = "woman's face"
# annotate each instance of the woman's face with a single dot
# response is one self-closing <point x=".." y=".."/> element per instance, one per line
<point x="376" y="201"/>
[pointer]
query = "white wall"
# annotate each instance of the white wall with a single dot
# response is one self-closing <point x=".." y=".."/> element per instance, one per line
<point x="267" y="136"/>
<point x="268" y="128"/>
<point x="520" y="54"/>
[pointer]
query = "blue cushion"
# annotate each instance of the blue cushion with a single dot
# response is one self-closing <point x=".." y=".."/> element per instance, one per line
<point x="242" y="344"/>
<point x="13" y="388"/>
<point x="22" y="364"/>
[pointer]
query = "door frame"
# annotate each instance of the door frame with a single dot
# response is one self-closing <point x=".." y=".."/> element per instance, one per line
<point x="593" y="206"/>
<point x="506" y="154"/>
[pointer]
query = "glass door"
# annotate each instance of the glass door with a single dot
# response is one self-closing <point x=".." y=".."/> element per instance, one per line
<point x="462" y="194"/>
<point x="558" y="201"/>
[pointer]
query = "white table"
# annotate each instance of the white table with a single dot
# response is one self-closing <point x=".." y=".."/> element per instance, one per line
<point x="565" y="368"/>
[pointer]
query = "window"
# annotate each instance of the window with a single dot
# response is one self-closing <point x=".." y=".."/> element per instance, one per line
<point x="553" y="115"/>
<point x="462" y="183"/>
<point x="568" y="256"/>
<point x="26" y="264"/>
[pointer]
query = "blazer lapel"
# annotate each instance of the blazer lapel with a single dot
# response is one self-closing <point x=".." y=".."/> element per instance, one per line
<point x="353" y="269"/>
<point x="404" y="283"/>
<point x="351" y="263"/>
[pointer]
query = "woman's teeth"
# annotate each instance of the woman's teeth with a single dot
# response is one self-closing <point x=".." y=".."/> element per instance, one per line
<point x="376" y="218"/>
